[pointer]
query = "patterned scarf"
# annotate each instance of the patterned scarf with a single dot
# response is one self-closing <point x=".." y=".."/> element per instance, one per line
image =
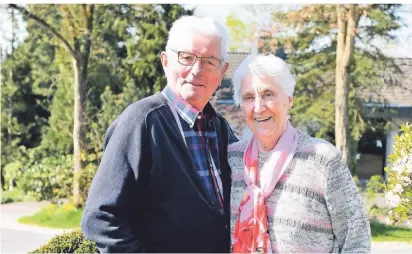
<point x="250" y="234"/>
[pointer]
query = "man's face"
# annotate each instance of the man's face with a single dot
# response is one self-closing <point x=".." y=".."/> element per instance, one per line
<point x="194" y="84"/>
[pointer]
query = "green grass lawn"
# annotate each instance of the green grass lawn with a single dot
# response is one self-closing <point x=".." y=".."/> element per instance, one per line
<point x="54" y="216"/>
<point x="387" y="233"/>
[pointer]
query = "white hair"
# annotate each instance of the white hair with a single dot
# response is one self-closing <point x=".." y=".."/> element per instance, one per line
<point x="263" y="66"/>
<point x="186" y="26"/>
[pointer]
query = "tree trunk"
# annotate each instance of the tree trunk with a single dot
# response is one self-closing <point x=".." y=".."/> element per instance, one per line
<point x="11" y="184"/>
<point x="9" y="99"/>
<point x="347" y="23"/>
<point x="80" y="65"/>
<point x="10" y="94"/>
<point x="79" y="129"/>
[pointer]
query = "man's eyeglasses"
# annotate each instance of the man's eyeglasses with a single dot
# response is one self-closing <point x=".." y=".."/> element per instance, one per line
<point x="189" y="59"/>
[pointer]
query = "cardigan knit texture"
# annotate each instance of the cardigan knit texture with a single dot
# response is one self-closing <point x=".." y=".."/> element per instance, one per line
<point x="315" y="206"/>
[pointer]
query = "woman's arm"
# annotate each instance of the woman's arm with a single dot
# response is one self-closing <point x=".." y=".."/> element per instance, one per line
<point x="349" y="220"/>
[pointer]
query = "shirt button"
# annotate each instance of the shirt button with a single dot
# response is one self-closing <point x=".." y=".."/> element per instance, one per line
<point x="199" y="117"/>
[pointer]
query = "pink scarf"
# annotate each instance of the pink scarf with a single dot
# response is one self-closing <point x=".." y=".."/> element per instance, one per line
<point x="251" y="228"/>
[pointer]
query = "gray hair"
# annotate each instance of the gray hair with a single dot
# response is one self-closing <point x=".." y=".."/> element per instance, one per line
<point x="186" y="26"/>
<point x="264" y="66"/>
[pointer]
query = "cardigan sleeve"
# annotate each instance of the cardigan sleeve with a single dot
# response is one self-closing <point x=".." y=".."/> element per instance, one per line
<point x="108" y="212"/>
<point x="231" y="136"/>
<point x="349" y="220"/>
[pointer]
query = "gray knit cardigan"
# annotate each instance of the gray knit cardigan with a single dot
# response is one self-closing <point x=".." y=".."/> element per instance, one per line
<point x="315" y="206"/>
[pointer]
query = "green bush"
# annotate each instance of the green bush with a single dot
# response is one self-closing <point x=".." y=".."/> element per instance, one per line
<point x="50" y="179"/>
<point x="358" y="183"/>
<point x="86" y="178"/>
<point x="70" y="242"/>
<point x="14" y="195"/>
<point x="399" y="187"/>
<point x="11" y="172"/>
<point x="374" y="188"/>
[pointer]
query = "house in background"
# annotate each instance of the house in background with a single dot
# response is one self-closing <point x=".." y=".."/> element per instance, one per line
<point x="393" y="103"/>
<point x="223" y="100"/>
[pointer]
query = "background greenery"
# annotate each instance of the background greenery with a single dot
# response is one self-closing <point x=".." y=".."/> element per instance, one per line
<point x="37" y="90"/>
<point x="124" y="66"/>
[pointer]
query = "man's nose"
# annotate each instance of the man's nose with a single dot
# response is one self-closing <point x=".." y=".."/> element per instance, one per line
<point x="197" y="67"/>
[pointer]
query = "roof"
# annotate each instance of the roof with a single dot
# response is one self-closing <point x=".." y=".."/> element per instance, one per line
<point x="234" y="59"/>
<point x="223" y="101"/>
<point x="397" y="89"/>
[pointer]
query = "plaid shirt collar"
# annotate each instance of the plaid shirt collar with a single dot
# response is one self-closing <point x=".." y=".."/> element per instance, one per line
<point x="187" y="111"/>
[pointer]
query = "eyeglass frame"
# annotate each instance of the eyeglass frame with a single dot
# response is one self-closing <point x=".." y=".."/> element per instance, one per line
<point x="196" y="57"/>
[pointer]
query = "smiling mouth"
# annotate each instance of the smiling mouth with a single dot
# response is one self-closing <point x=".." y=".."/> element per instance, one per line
<point x="263" y="119"/>
<point x="193" y="84"/>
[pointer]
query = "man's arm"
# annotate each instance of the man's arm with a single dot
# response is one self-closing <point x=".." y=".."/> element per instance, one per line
<point x="231" y="136"/>
<point x="107" y="216"/>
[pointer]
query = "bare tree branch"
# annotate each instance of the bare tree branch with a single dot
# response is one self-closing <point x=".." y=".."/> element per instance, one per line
<point x="88" y="17"/>
<point x="66" y="14"/>
<point x="28" y="14"/>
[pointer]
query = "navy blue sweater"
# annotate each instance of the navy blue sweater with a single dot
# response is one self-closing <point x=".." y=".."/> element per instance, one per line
<point x="146" y="195"/>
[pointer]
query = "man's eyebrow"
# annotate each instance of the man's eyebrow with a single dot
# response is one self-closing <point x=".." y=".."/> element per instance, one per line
<point x="210" y="57"/>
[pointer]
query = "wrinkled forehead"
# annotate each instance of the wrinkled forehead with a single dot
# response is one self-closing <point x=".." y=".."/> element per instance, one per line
<point x="257" y="84"/>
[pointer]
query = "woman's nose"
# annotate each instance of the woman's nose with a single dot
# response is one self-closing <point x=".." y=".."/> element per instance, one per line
<point x="259" y="105"/>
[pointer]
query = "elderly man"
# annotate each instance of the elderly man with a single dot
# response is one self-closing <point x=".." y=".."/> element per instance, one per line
<point x="164" y="181"/>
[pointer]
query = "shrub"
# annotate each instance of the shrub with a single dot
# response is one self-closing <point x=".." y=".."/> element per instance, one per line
<point x="12" y="171"/>
<point x="50" y="179"/>
<point x="399" y="186"/>
<point x="374" y="188"/>
<point x="14" y="195"/>
<point x="86" y="178"/>
<point x="70" y="242"/>
<point x="358" y="183"/>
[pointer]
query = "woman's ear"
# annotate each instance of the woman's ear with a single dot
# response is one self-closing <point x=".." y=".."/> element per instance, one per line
<point x="290" y="102"/>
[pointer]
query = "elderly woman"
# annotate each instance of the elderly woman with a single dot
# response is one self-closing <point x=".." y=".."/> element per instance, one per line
<point x="290" y="192"/>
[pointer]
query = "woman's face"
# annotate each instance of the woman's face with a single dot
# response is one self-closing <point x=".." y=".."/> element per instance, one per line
<point x="265" y="106"/>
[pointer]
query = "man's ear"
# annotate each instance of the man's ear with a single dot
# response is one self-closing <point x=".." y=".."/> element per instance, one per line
<point x="224" y="68"/>
<point x="164" y="60"/>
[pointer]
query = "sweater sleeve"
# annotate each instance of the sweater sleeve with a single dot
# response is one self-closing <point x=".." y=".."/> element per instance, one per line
<point x="108" y="212"/>
<point x="349" y="220"/>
